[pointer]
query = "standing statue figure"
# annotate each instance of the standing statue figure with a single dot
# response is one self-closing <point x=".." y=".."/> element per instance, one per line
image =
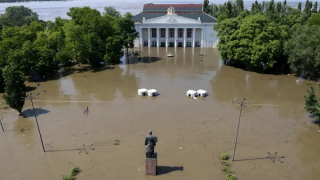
<point x="150" y="143"/>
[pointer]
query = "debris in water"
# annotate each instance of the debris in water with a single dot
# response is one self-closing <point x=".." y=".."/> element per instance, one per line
<point x="180" y="147"/>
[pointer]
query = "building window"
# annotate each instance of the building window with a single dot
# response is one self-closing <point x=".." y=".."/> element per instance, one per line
<point x="189" y="44"/>
<point x="197" y="43"/>
<point x="154" y="43"/>
<point x="163" y="33"/>
<point x="154" y="33"/>
<point x="145" y="43"/>
<point x="180" y="33"/>
<point x="189" y="32"/>
<point x="171" y="33"/>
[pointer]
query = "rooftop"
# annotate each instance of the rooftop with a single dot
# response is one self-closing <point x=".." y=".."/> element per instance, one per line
<point x="193" y="11"/>
<point x="178" y="7"/>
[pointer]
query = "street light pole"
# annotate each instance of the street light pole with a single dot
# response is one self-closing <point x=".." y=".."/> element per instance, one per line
<point x="1" y="125"/>
<point x="31" y="97"/>
<point x="264" y="66"/>
<point x="239" y="103"/>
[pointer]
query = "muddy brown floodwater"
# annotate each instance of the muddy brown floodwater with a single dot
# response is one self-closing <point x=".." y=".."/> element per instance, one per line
<point x="192" y="133"/>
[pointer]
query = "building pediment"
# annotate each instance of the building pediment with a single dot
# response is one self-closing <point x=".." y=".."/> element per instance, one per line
<point x="171" y="19"/>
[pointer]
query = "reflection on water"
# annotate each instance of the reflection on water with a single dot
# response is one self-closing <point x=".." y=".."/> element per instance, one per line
<point x="67" y="86"/>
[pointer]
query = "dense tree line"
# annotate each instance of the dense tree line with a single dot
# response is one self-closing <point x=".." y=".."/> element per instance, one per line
<point x="272" y="34"/>
<point x="30" y="47"/>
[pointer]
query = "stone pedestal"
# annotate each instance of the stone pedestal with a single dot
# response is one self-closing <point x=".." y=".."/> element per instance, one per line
<point x="151" y="165"/>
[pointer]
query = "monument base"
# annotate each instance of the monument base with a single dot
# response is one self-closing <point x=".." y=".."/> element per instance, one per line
<point x="151" y="165"/>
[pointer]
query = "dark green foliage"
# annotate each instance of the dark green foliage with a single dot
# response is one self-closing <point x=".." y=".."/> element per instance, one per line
<point x="312" y="105"/>
<point x="111" y="11"/>
<point x="314" y="20"/>
<point x="17" y="16"/>
<point x="273" y="33"/>
<point x="14" y="87"/>
<point x="36" y="48"/>
<point x="303" y="50"/>
<point x="299" y="6"/>
<point x="127" y="31"/>
<point x="206" y="7"/>
<point x="315" y="7"/>
<point x="254" y="40"/>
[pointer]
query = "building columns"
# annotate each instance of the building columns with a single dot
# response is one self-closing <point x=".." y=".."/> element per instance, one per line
<point x="193" y="37"/>
<point x="167" y="37"/>
<point x="158" y="37"/>
<point x="202" y="37"/>
<point x="184" y="37"/>
<point x="175" y="37"/>
<point x="149" y="37"/>
<point x="140" y="37"/>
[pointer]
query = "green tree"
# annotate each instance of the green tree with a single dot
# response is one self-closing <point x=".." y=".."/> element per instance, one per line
<point x="214" y="10"/>
<point x="311" y="103"/>
<point x="229" y="10"/>
<point x="303" y="50"/>
<point x="86" y="35"/>
<point x="206" y="7"/>
<point x="127" y="31"/>
<point x="111" y="11"/>
<point x="63" y="57"/>
<point x="314" y="20"/>
<point x="315" y="7"/>
<point x="113" y="49"/>
<point x="299" y="6"/>
<point x="18" y="16"/>
<point x="250" y="41"/>
<point x="14" y="87"/>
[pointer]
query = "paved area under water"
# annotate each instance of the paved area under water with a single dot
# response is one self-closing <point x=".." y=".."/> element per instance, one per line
<point x="191" y="132"/>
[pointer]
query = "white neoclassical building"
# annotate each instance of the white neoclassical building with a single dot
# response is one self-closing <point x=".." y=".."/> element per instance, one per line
<point x="174" y="25"/>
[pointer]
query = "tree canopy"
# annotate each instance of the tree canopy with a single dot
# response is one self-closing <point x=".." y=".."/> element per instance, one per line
<point x="30" y="47"/>
<point x="273" y="33"/>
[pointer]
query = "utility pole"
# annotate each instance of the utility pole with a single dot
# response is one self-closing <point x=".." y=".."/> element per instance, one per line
<point x="264" y="66"/>
<point x="1" y="125"/>
<point x="31" y="97"/>
<point x="239" y="103"/>
<point x="1" y="122"/>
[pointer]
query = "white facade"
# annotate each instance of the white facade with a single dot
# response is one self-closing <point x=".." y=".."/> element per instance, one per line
<point x="177" y="31"/>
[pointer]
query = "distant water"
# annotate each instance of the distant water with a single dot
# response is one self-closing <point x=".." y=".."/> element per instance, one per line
<point x="49" y="10"/>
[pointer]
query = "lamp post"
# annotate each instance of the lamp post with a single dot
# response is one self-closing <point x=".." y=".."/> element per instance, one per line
<point x="1" y="125"/>
<point x="239" y="103"/>
<point x="264" y="66"/>
<point x="31" y="97"/>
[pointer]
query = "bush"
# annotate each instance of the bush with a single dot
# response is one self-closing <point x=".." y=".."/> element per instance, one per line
<point x="224" y="156"/>
<point x="227" y="167"/>
<point x="75" y="170"/>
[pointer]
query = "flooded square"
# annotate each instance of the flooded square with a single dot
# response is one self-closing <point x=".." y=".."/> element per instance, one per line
<point x="192" y="133"/>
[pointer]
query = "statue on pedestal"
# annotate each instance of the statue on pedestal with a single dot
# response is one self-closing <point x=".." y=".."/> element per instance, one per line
<point x="150" y="143"/>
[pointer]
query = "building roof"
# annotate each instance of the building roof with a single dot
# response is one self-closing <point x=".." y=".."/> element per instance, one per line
<point x="178" y="7"/>
<point x="193" y="11"/>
